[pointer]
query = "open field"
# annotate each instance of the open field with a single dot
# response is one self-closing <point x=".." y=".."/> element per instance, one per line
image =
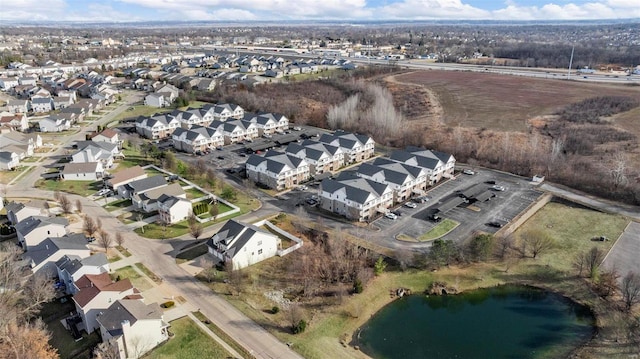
<point x="143" y="110"/>
<point x="82" y="188"/>
<point x="333" y="319"/>
<point x="188" y="342"/>
<point x="504" y="102"/>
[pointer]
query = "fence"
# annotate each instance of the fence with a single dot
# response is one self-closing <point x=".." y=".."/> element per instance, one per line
<point x="282" y="252"/>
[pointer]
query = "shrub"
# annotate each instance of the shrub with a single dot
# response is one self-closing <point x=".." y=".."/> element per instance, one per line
<point x="168" y="304"/>
<point x="300" y="327"/>
<point x="357" y="286"/>
<point x="275" y="309"/>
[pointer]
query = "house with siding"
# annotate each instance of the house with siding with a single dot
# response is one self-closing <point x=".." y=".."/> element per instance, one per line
<point x="242" y="244"/>
<point x="9" y="160"/>
<point x="147" y="201"/>
<point x="356" y="198"/>
<point x="31" y="231"/>
<point x="321" y="157"/>
<point x="356" y="147"/>
<point x="42" y="104"/>
<point x="277" y="170"/>
<point x="430" y="161"/>
<point x="19" y="106"/>
<point x="70" y="268"/>
<point x="224" y="111"/>
<point x="133" y="327"/>
<point x="42" y="257"/>
<point x="403" y="183"/>
<point x="125" y="176"/>
<point x="197" y="139"/>
<point x="17" y="211"/>
<point x="157" y="126"/>
<point x="83" y="171"/>
<point x="54" y="123"/>
<point x="142" y="185"/>
<point x="18" y="122"/>
<point x="173" y="209"/>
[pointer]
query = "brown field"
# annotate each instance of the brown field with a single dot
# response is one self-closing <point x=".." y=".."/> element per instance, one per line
<point x="504" y="102"/>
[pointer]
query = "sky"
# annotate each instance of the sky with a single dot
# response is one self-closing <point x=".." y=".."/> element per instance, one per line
<point x="270" y="10"/>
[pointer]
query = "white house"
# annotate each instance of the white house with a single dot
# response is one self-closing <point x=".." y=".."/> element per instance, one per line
<point x="17" y="122"/>
<point x="89" y="151"/>
<point x="33" y="230"/>
<point x="431" y="161"/>
<point x="134" y="327"/>
<point x="141" y="186"/>
<point x="42" y="104"/>
<point x="197" y="139"/>
<point x="147" y="201"/>
<point x="42" y="257"/>
<point x="125" y="176"/>
<point x="16" y="211"/>
<point x="173" y="209"/>
<point x="224" y="111"/>
<point x="83" y="171"/>
<point x="54" y="123"/>
<point x="107" y="135"/>
<point x="18" y="106"/>
<point x="321" y="157"/>
<point x="155" y="100"/>
<point x="7" y="83"/>
<point x="169" y="92"/>
<point x="157" y="127"/>
<point x="71" y="267"/>
<point x="242" y="244"/>
<point x="95" y="293"/>
<point x="9" y="160"/>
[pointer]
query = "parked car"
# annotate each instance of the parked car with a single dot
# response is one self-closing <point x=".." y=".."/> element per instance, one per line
<point x="435" y="218"/>
<point x="311" y="201"/>
<point x="297" y="128"/>
<point x="220" y="157"/>
<point x="91" y="239"/>
<point x="397" y="213"/>
<point x="495" y="224"/>
<point x="410" y="205"/>
<point x="497" y="188"/>
<point x="490" y="182"/>
<point x="103" y="192"/>
<point x="468" y="172"/>
<point x="303" y="188"/>
<point x="391" y="216"/>
<point x="423" y="199"/>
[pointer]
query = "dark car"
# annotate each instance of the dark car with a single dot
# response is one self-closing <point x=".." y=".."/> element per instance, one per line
<point x="490" y="182"/>
<point x="397" y="213"/>
<point x="220" y="158"/>
<point x="495" y="224"/>
<point x="435" y="218"/>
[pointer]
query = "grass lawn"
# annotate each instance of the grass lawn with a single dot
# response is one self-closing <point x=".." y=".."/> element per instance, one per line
<point x="193" y="193"/>
<point x="123" y="251"/>
<point x="188" y="342"/>
<point x="141" y="110"/>
<point x="132" y="159"/>
<point x="158" y="231"/>
<point x="222" y="208"/>
<point x="136" y="279"/>
<point x="8" y="176"/>
<point x="191" y="253"/>
<point x="61" y="339"/>
<point x="130" y="217"/>
<point x="153" y="172"/>
<point x="442" y="228"/>
<point x="82" y="188"/>
<point x="148" y="273"/>
<point x="32" y="159"/>
<point x="224" y="336"/>
<point x="115" y="205"/>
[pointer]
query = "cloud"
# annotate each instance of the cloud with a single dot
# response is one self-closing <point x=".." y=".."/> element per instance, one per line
<point x="33" y="10"/>
<point x="570" y="11"/>
<point x="432" y="9"/>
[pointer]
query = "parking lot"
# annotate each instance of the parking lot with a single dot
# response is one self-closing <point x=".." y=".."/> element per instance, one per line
<point x="506" y="205"/>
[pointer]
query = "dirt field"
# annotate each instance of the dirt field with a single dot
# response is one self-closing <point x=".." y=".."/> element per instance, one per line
<point x="503" y="102"/>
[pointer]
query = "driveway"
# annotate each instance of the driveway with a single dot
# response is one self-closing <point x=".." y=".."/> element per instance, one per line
<point x="623" y="257"/>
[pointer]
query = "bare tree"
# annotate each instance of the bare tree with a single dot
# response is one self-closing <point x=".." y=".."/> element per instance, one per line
<point x="208" y="271"/>
<point x="65" y="204"/>
<point x="46" y="207"/>
<point x="630" y="289"/>
<point x="195" y="228"/>
<point x="538" y="242"/>
<point x="593" y="260"/>
<point x="105" y="240"/>
<point x="504" y="246"/>
<point x="56" y="195"/>
<point x="106" y="350"/>
<point x="98" y="223"/>
<point x="607" y="283"/>
<point x="78" y="206"/>
<point x="119" y="239"/>
<point x="89" y="226"/>
<point x="214" y="210"/>
<point x="579" y="262"/>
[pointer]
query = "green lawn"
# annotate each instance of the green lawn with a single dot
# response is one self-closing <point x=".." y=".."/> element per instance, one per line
<point x="82" y="188"/>
<point x="61" y="339"/>
<point x="188" y="342"/>
<point x="442" y="228"/>
<point x="132" y="159"/>
<point x="8" y="176"/>
<point x="136" y="279"/>
<point x="130" y="217"/>
<point x="191" y="253"/>
<point x="115" y="205"/>
<point x="124" y="251"/>
<point x="142" y="110"/>
<point x="572" y="230"/>
<point x="148" y="273"/>
<point x="224" y="336"/>
<point x="158" y="231"/>
<point x="193" y="193"/>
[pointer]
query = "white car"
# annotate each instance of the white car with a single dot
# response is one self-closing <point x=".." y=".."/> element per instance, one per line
<point x="498" y="188"/>
<point x="103" y="191"/>
<point x="468" y="172"/>
<point x="303" y="188"/>
<point x="410" y="205"/>
<point x="391" y="216"/>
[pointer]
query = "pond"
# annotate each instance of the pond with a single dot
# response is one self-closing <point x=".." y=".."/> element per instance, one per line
<point x="502" y="322"/>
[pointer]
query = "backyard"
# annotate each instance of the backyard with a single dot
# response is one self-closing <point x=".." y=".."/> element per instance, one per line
<point x="82" y="188"/>
<point x="52" y="313"/>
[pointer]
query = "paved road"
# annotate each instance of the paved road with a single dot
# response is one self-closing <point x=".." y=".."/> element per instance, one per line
<point x="623" y="257"/>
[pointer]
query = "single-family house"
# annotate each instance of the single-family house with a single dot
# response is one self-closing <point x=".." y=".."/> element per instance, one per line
<point x="83" y="171"/>
<point x="89" y="151"/>
<point x="107" y="135"/>
<point x="61" y="102"/>
<point x="22" y="143"/>
<point x="9" y="160"/>
<point x="27" y="80"/>
<point x="275" y="73"/>
<point x="356" y="148"/>
<point x="354" y="197"/>
<point x="277" y="170"/>
<point x="43" y="256"/>
<point x="18" y="122"/>
<point x="42" y="104"/>
<point x="133" y="327"/>
<point x="155" y="100"/>
<point x="125" y="176"/>
<point x="7" y="83"/>
<point x="242" y="244"/>
<point x="142" y="185"/>
<point x="71" y="267"/>
<point x="19" y="106"/>
<point x="169" y="92"/>
<point x="173" y="209"/>
<point x="17" y="211"/>
<point x="95" y="294"/>
<point x="54" y="123"/>
<point x="147" y="201"/>
<point x="33" y="230"/>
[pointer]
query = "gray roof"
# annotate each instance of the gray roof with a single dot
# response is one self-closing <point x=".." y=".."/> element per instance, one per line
<point x="43" y="100"/>
<point x="73" y="263"/>
<point x="358" y="189"/>
<point x="390" y="176"/>
<point x="82" y="167"/>
<point x="442" y="156"/>
<point x="130" y="310"/>
<point x="39" y="253"/>
<point x="173" y="189"/>
<point x="146" y="184"/>
<point x="234" y="235"/>
<point x="397" y="166"/>
<point x="29" y="224"/>
<point x="415" y="159"/>
<point x="277" y="162"/>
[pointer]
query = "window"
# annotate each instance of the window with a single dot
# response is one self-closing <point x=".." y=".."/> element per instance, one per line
<point x="259" y="243"/>
<point x="259" y="251"/>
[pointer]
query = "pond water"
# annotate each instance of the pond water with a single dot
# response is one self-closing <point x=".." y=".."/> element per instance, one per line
<point x="515" y="322"/>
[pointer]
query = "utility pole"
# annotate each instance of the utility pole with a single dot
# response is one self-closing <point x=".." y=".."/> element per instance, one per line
<point x="571" y="62"/>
